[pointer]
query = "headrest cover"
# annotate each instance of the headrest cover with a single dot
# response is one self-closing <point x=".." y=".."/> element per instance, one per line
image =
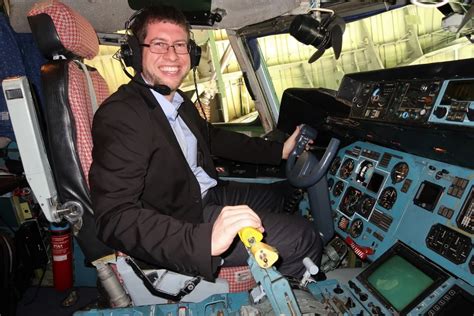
<point x="76" y="34"/>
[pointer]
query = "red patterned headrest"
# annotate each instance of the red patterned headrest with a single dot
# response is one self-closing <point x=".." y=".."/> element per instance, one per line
<point x="75" y="33"/>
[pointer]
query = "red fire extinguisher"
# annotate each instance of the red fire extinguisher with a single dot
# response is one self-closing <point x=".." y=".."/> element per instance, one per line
<point x="61" y="249"/>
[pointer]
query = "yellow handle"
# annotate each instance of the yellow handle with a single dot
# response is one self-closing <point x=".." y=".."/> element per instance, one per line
<point x="250" y="236"/>
<point x="264" y="254"/>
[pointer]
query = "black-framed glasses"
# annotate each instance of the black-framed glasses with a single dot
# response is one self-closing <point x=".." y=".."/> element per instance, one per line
<point x="180" y="48"/>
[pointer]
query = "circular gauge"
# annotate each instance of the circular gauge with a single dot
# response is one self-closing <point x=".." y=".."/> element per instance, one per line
<point x="399" y="172"/>
<point x="330" y="184"/>
<point x="338" y="188"/>
<point x="366" y="205"/>
<point x="346" y="168"/>
<point x="381" y="94"/>
<point x="356" y="228"/>
<point x="350" y="199"/>
<point x="363" y="174"/>
<point x="375" y="97"/>
<point x="336" y="163"/>
<point x="388" y="197"/>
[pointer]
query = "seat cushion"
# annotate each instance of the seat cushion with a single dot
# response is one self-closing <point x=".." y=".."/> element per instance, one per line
<point x="239" y="278"/>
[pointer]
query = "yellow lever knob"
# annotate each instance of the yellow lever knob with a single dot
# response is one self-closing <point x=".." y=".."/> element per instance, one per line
<point x="264" y="254"/>
<point x="250" y="236"/>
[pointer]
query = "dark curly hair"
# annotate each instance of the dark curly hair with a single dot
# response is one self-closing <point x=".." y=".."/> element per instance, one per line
<point x="160" y="13"/>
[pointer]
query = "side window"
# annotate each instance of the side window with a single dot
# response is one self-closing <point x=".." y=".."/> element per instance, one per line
<point x="220" y="82"/>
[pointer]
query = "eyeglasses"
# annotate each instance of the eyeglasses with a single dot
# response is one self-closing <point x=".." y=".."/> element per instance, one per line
<point x="162" y="47"/>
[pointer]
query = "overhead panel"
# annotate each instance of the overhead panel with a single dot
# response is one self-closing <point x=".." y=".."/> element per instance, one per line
<point x="183" y="5"/>
<point x="197" y="12"/>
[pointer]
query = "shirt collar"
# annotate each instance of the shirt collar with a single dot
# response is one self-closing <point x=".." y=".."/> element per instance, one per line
<point x="170" y="108"/>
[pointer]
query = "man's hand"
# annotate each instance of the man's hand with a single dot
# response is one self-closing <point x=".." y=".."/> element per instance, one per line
<point x="290" y="143"/>
<point x="229" y="222"/>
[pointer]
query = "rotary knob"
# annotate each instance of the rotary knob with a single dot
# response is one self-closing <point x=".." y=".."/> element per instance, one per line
<point x="440" y="112"/>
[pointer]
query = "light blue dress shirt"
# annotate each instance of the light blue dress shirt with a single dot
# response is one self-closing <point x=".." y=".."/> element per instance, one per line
<point x="186" y="139"/>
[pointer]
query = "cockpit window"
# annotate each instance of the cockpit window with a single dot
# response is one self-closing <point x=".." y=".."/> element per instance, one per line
<point x="406" y="36"/>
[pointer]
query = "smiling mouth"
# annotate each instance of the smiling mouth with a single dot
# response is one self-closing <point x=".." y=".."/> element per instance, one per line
<point x="169" y="69"/>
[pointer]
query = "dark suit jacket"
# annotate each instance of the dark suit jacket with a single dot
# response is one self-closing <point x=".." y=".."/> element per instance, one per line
<point x="146" y="199"/>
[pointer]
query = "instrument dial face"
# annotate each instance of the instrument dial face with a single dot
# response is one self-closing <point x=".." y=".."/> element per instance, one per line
<point x="356" y="228"/>
<point x="366" y="205"/>
<point x="338" y="188"/>
<point x="346" y="168"/>
<point x="399" y="172"/>
<point x="350" y="200"/>
<point x="364" y="172"/>
<point x="388" y="197"/>
<point x="375" y="98"/>
<point x="336" y="163"/>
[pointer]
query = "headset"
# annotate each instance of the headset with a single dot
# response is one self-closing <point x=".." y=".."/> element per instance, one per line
<point x="131" y="52"/>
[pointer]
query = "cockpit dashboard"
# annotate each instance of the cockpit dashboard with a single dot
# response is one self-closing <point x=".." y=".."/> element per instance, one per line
<point x="401" y="187"/>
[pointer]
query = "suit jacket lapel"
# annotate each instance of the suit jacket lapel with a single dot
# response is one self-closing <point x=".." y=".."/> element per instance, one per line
<point x="159" y="115"/>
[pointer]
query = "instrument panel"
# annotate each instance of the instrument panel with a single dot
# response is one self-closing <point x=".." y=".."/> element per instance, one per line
<point x="408" y="100"/>
<point x="455" y="105"/>
<point x="427" y="101"/>
<point x="407" y="204"/>
<point x="380" y="196"/>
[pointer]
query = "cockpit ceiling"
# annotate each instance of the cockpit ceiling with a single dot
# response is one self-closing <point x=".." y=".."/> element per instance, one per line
<point x="110" y="15"/>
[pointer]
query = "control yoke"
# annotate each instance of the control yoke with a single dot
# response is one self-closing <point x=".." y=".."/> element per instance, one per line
<point x="307" y="170"/>
<point x="304" y="170"/>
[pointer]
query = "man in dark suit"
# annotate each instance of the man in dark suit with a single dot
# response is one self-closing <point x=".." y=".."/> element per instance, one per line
<point x="155" y="190"/>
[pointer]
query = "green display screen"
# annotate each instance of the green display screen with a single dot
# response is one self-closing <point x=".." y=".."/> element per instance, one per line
<point x="399" y="281"/>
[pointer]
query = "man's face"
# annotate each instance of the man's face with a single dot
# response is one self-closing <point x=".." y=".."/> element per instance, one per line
<point x="169" y="68"/>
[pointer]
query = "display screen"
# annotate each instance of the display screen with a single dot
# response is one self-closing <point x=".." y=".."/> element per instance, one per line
<point x="460" y="304"/>
<point x="375" y="182"/>
<point x="460" y="90"/>
<point x="401" y="278"/>
<point x="399" y="282"/>
<point x="428" y="195"/>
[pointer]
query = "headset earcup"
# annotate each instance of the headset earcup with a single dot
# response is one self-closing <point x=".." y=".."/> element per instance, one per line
<point x="194" y="53"/>
<point x="131" y="54"/>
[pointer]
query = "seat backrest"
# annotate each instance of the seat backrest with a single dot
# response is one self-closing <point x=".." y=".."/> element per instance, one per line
<point x="65" y="38"/>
